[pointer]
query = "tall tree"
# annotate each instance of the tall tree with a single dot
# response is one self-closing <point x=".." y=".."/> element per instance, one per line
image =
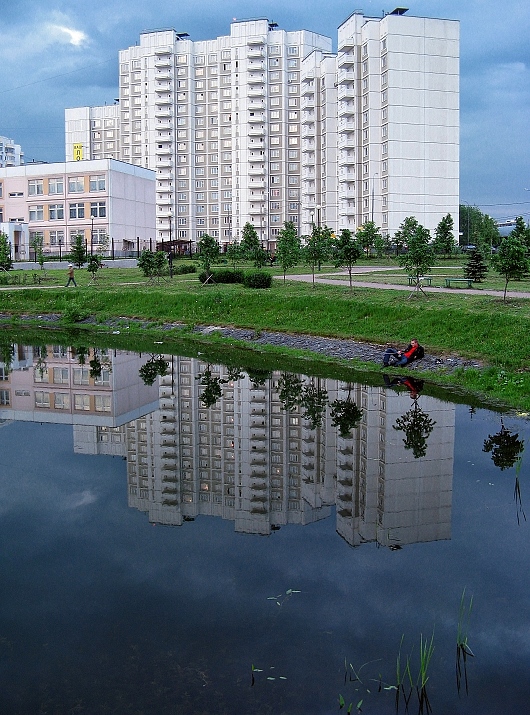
<point x="511" y="260"/>
<point x="417" y="426"/>
<point x="288" y="247"/>
<point x="6" y="262"/>
<point x="522" y="232"/>
<point x="37" y="244"/>
<point x="477" y="228"/>
<point x="419" y="257"/>
<point x="346" y="251"/>
<point x="367" y="235"/>
<point x="444" y="240"/>
<point x="505" y="447"/>
<point x="233" y="253"/>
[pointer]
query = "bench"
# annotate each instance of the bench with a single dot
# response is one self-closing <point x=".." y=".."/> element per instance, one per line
<point x="423" y="279"/>
<point x="468" y="281"/>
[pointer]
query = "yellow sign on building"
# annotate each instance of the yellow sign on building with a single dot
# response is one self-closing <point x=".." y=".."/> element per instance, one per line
<point x="78" y="152"/>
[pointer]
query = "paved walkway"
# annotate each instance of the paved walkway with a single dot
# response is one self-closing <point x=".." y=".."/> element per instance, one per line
<point x="321" y="278"/>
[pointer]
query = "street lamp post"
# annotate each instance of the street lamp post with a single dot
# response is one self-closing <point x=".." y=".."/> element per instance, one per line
<point x="92" y="236"/>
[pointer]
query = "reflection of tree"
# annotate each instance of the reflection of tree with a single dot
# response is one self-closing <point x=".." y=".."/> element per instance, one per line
<point x="156" y="366"/>
<point x="314" y="400"/>
<point x="505" y="448"/>
<point x="258" y="377"/>
<point x="81" y="352"/>
<point x="7" y="350"/>
<point x="212" y="387"/>
<point x="97" y="363"/>
<point x="345" y="414"/>
<point x="417" y="426"/>
<point x="41" y="353"/>
<point x="289" y="390"/>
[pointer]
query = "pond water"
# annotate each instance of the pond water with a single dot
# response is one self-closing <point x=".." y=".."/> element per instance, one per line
<point x="231" y="541"/>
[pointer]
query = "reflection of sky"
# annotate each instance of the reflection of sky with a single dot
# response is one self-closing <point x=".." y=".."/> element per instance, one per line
<point x="99" y="606"/>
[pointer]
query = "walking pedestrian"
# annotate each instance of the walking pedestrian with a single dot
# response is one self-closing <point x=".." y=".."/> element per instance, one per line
<point x="71" y="278"/>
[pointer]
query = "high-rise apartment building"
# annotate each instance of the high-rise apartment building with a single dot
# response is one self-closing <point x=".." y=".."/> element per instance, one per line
<point x="266" y="126"/>
<point x="11" y="154"/>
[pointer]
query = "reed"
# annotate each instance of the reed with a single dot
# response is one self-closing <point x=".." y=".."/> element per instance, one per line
<point x="463" y="651"/>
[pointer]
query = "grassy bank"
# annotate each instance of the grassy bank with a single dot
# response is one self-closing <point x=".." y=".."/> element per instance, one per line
<point x="480" y="327"/>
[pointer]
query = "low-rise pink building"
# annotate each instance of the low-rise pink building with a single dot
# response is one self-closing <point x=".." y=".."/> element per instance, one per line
<point x="109" y="203"/>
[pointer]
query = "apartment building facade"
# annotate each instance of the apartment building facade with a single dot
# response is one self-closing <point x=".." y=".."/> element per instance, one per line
<point x="266" y="126"/>
<point x="11" y="154"/>
<point x="111" y="204"/>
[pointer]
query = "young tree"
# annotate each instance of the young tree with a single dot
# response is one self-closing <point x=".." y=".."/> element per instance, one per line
<point x="444" y="241"/>
<point x="317" y="248"/>
<point x="346" y="251"/>
<point x="366" y="236"/>
<point x="345" y="414"/>
<point x="78" y="253"/>
<point x="37" y="243"/>
<point x="94" y="264"/>
<point x="251" y="247"/>
<point x="381" y="245"/>
<point x="417" y="426"/>
<point x="505" y="448"/>
<point x="476" y="267"/>
<point x="153" y="265"/>
<point x="511" y="261"/>
<point x="419" y="257"/>
<point x="233" y="253"/>
<point x="314" y="401"/>
<point x="209" y="252"/>
<point x="288" y="247"/>
<point x="6" y="262"/>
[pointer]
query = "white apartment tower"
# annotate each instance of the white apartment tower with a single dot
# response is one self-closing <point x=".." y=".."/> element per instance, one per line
<point x="398" y="121"/>
<point x="264" y="125"/>
<point x="219" y="121"/>
<point x="11" y="154"/>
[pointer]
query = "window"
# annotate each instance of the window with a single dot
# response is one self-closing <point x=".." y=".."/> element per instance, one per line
<point x="61" y="401"/>
<point x="76" y="184"/>
<point x="384" y="147"/>
<point x="98" y="209"/>
<point x="81" y="402"/>
<point x="55" y="186"/>
<point x="41" y="375"/>
<point x="97" y="183"/>
<point x="36" y="213"/>
<point x="60" y="376"/>
<point x="56" y="212"/>
<point x="35" y="187"/>
<point x="42" y="399"/>
<point x="81" y="375"/>
<point x="77" y="210"/>
<point x="104" y="378"/>
<point x="56" y="238"/>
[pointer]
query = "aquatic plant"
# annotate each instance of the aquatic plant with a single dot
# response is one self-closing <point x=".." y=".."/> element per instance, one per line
<point x="462" y="646"/>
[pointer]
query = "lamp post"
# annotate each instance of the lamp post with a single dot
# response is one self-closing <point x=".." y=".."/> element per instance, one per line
<point x="373" y="193"/>
<point x="318" y="208"/>
<point x="60" y="249"/>
<point x="92" y="236"/>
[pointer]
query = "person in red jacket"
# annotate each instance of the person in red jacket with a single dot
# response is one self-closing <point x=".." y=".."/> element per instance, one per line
<point x="413" y="351"/>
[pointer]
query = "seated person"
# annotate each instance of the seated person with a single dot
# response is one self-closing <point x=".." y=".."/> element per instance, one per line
<point x="413" y="351"/>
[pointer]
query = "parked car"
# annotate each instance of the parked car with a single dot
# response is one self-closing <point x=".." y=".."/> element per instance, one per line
<point x="468" y="248"/>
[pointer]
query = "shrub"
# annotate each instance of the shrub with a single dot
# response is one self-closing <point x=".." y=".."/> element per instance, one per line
<point x="222" y="276"/>
<point x="74" y="312"/>
<point x="185" y="268"/>
<point x="257" y="279"/>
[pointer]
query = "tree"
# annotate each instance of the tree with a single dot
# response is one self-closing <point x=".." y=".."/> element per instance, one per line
<point x="209" y="252"/>
<point x="476" y="267"/>
<point x="153" y="265"/>
<point x="289" y="390"/>
<point x="37" y="243"/>
<point x="522" y="232"/>
<point x="251" y="247"/>
<point x="366" y="236"/>
<point x="233" y="253"/>
<point x="346" y="251"/>
<point x="444" y="240"/>
<point x="212" y="387"/>
<point x="511" y="260"/>
<point x="288" y="247"/>
<point x="314" y="400"/>
<point x="155" y="367"/>
<point x="317" y="248"/>
<point x="419" y="257"/>
<point x="78" y="253"/>
<point x="6" y="262"/>
<point x="94" y="264"/>
<point x="477" y="228"/>
<point x="381" y="245"/>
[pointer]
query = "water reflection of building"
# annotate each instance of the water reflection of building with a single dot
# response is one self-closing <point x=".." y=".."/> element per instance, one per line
<point x="89" y="389"/>
<point x="247" y="459"/>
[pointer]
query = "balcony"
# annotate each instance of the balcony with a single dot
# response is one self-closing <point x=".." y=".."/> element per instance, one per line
<point x="256" y="171"/>
<point x="164" y="62"/>
<point x="256" y="184"/>
<point x="346" y="127"/>
<point x="346" y="142"/>
<point x="255" y="52"/>
<point x="346" y="109"/>
<point x="256" y="40"/>
<point x="307" y="89"/>
<point x="256" y="157"/>
<point x="346" y="91"/>
<point x="346" y="75"/>
<point x="164" y="74"/>
<point x="163" y="87"/>
<point x="253" y="66"/>
<point x="308" y="117"/>
<point x="163" y="101"/>
<point x="255" y="79"/>
<point x="256" y="119"/>
<point x="346" y="60"/>
<point x="163" y="112"/>
<point x="256" y="92"/>
<point x="256" y="131"/>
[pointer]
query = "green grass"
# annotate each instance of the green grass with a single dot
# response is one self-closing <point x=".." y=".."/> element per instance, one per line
<point x="480" y="327"/>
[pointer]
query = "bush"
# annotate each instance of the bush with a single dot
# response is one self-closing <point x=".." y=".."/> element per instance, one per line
<point x="257" y="279"/>
<point x="222" y="276"/>
<point x="74" y="312"/>
<point x="185" y="268"/>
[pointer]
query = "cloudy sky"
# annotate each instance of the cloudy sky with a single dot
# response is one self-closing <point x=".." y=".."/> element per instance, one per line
<point x="61" y="54"/>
